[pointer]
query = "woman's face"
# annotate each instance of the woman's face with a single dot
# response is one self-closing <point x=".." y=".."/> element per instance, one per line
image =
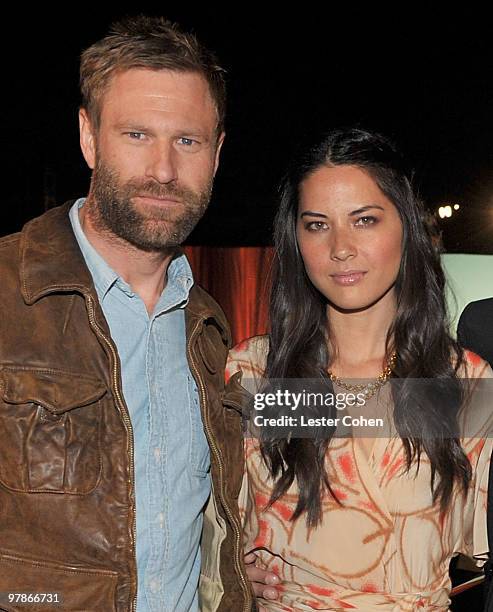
<point x="349" y="235"/>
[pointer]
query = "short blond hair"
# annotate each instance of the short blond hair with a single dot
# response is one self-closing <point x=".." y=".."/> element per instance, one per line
<point x="147" y="42"/>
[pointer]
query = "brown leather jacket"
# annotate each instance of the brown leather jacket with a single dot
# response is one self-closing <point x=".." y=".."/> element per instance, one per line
<point x="67" y="514"/>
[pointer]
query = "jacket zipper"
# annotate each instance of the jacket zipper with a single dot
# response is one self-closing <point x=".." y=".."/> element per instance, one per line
<point x="128" y="425"/>
<point x="215" y="450"/>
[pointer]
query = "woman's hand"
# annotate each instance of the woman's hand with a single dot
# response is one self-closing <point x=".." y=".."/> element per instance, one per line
<point x="263" y="582"/>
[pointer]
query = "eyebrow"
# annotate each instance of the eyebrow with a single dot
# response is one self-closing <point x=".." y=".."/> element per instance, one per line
<point x="128" y="125"/>
<point x="358" y="211"/>
<point x="137" y="127"/>
<point x="363" y="209"/>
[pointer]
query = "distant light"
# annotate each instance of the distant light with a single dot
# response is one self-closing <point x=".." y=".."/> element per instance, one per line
<point x="456" y="207"/>
<point x="445" y="211"/>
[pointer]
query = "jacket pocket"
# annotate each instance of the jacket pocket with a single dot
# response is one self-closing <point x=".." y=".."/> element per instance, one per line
<point x="72" y="589"/>
<point x="50" y="422"/>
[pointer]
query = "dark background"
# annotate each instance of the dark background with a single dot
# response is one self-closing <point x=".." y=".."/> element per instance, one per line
<point x="424" y="79"/>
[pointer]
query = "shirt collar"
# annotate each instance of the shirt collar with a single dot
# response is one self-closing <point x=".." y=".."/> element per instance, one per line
<point x="179" y="274"/>
<point x="102" y="274"/>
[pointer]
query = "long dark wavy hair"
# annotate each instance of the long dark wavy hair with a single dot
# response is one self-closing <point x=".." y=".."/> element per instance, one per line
<point x="300" y="328"/>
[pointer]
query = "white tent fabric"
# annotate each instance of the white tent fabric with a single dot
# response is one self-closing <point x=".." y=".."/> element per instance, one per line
<point x="469" y="278"/>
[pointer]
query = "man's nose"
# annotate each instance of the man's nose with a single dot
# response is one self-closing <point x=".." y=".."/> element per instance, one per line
<point x="162" y="165"/>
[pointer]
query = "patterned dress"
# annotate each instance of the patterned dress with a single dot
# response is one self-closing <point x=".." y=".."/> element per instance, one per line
<point x="386" y="546"/>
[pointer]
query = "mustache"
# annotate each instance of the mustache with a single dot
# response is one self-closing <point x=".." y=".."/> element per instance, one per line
<point x="151" y="188"/>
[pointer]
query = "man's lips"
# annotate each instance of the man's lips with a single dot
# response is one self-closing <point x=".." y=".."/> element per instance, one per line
<point x="160" y="201"/>
<point x="351" y="277"/>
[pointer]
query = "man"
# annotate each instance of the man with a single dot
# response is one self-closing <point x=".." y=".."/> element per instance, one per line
<point x="474" y="333"/>
<point x="474" y="330"/>
<point x="119" y="465"/>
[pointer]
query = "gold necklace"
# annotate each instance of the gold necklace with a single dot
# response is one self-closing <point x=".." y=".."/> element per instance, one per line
<point x="371" y="388"/>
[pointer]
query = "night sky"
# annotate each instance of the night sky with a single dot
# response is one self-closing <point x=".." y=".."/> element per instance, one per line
<point x="425" y="80"/>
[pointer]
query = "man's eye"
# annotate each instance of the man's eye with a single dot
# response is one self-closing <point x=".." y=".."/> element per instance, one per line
<point x="136" y="135"/>
<point x="362" y="221"/>
<point x="188" y="142"/>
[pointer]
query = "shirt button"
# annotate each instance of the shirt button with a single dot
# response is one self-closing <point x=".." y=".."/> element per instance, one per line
<point x="157" y="454"/>
<point x="154" y="585"/>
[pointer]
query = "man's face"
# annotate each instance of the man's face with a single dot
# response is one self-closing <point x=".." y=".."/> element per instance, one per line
<point x="153" y="157"/>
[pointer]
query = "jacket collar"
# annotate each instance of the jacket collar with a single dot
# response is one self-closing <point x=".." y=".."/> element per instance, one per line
<point x="50" y="258"/>
<point x="201" y="307"/>
<point x="51" y="261"/>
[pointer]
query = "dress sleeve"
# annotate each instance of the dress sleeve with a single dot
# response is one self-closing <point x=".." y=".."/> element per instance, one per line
<point x="246" y="361"/>
<point x="248" y="357"/>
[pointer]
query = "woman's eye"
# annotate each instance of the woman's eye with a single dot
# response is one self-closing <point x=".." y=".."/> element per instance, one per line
<point x="315" y="226"/>
<point x="366" y="221"/>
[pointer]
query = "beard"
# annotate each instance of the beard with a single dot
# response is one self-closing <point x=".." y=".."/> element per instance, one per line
<point x="154" y="228"/>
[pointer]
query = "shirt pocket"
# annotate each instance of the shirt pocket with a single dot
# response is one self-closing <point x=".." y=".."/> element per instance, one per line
<point x="51" y="424"/>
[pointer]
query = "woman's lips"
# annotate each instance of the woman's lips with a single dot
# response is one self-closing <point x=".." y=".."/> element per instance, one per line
<point x="351" y="277"/>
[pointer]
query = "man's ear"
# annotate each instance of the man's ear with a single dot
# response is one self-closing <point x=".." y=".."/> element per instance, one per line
<point x="87" y="138"/>
<point x="220" y="141"/>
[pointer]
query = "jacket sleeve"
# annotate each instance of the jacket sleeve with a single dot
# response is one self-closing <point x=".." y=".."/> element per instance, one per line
<point x="464" y="329"/>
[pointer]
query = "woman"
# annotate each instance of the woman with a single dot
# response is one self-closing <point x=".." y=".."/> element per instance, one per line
<point x="366" y="522"/>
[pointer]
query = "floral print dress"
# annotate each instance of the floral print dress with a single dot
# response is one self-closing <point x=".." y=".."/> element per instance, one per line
<point x="386" y="546"/>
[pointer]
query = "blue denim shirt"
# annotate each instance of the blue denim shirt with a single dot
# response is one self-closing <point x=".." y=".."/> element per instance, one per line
<point x="172" y="461"/>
